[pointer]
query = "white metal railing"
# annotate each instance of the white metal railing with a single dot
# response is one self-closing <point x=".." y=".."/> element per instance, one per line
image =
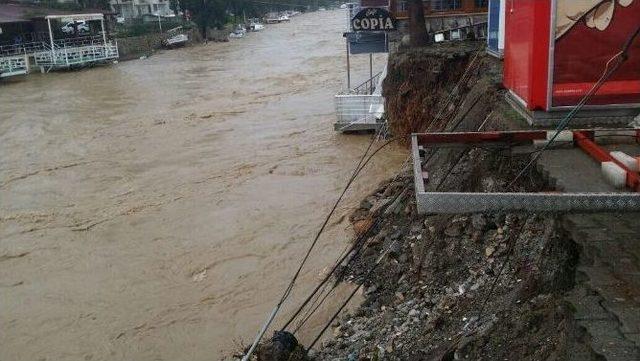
<point x="23" y="48"/>
<point x="479" y="29"/>
<point x="81" y="54"/>
<point x="13" y="65"/>
<point x="80" y="41"/>
<point x="363" y="106"/>
<point x="37" y="46"/>
<point x="367" y="87"/>
<point x="358" y="109"/>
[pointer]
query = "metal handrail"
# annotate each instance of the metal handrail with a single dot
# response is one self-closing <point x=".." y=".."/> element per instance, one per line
<point x="73" y="55"/>
<point x="18" y="49"/>
<point x="80" y="41"/>
<point x="368" y="86"/>
<point x="36" y="46"/>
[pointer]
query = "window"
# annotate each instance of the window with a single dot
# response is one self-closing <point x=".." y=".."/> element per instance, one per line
<point x="444" y="5"/>
<point x="482" y="3"/>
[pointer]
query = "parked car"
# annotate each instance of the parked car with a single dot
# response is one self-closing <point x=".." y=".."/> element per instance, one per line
<point x="69" y="28"/>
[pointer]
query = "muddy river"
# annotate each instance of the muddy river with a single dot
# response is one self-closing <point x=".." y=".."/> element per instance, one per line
<point x="155" y="209"/>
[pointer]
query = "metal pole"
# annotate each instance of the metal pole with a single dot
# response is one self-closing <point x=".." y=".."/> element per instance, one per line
<point x="348" y="67"/>
<point x="159" y="23"/>
<point x="50" y="33"/>
<point x="371" y="73"/>
<point x="261" y="333"/>
<point x="104" y="33"/>
<point x="50" y="38"/>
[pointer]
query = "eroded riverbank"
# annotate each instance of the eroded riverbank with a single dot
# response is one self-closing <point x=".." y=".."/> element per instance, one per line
<point x="156" y="209"/>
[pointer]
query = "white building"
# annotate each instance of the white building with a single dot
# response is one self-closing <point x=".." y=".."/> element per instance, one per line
<point x="136" y="8"/>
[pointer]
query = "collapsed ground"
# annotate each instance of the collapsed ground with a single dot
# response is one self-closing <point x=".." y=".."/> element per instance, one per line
<point x="468" y="286"/>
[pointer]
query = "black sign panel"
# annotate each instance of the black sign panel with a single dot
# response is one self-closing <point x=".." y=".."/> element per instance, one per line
<point x="373" y="19"/>
<point x="367" y="43"/>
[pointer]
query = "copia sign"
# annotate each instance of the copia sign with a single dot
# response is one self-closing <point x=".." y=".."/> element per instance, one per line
<point x="373" y="19"/>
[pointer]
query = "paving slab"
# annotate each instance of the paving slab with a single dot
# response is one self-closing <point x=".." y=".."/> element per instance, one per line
<point x="607" y="299"/>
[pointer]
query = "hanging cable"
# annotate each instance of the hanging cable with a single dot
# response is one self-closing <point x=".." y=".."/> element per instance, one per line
<point x="362" y="162"/>
<point x="619" y="58"/>
<point x="354" y="251"/>
<point x="355" y="290"/>
<point x="454" y="126"/>
<point x="328" y="276"/>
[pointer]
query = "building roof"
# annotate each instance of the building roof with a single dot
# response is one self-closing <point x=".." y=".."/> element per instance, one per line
<point x="14" y="13"/>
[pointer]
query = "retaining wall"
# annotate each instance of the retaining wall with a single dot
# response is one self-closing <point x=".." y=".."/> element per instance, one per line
<point x="136" y="46"/>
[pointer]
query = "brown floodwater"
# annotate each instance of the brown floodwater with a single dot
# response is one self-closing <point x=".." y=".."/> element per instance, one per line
<point x="156" y="209"/>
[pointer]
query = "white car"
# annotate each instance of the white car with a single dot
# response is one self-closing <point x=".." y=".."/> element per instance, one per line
<point x="69" y="28"/>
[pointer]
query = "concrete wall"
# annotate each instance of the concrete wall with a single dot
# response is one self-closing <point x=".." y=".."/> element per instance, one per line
<point x="219" y="35"/>
<point x="137" y="46"/>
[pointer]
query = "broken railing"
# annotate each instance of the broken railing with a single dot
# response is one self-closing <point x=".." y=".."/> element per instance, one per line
<point x="358" y="111"/>
<point x="367" y="87"/>
<point x="463" y="202"/>
<point x="361" y="108"/>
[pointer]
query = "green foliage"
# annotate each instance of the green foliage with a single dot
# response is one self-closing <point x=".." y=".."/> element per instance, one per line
<point x="69" y="6"/>
<point x="94" y="4"/>
<point x="139" y="27"/>
<point x="217" y="13"/>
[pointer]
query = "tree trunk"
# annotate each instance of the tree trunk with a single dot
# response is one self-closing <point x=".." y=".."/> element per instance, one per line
<point x="417" y="27"/>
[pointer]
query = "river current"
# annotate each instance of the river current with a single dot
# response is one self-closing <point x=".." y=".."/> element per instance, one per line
<point x="155" y="209"/>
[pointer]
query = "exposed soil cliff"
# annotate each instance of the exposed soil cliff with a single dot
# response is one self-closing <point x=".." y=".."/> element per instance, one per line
<point x="466" y="286"/>
<point x="426" y="88"/>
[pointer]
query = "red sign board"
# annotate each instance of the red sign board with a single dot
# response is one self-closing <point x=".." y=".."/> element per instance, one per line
<point x="587" y="35"/>
<point x="556" y="51"/>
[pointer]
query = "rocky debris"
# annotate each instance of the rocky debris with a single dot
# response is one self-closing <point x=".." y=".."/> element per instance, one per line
<point x="469" y="286"/>
<point x="464" y="286"/>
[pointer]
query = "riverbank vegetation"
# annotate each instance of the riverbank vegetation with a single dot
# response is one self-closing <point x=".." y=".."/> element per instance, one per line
<point x="217" y="13"/>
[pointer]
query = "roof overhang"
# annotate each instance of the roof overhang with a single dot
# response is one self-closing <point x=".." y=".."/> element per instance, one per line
<point x="76" y="17"/>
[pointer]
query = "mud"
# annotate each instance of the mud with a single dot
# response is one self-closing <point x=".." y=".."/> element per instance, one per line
<point x="426" y="88"/>
<point x="155" y="209"/>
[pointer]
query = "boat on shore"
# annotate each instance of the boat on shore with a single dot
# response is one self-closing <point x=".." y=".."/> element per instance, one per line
<point x="272" y="18"/>
<point x="175" y="38"/>
<point x="276" y="18"/>
<point x="256" y="26"/>
<point x="176" y="41"/>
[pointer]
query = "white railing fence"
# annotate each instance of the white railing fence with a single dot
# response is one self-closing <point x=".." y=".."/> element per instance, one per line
<point x="13" y="65"/>
<point x="352" y="109"/>
<point x="86" y="53"/>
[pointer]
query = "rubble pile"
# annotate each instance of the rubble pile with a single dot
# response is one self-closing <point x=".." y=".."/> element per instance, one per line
<point x="469" y="286"/>
<point x="465" y="286"/>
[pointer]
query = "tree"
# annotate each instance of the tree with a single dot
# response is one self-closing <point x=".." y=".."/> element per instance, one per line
<point x="94" y="4"/>
<point x="215" y="13"/>
<point x="206" y="13"/>
<point x="174" y="5"/>
<point x="417" y="26"/>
